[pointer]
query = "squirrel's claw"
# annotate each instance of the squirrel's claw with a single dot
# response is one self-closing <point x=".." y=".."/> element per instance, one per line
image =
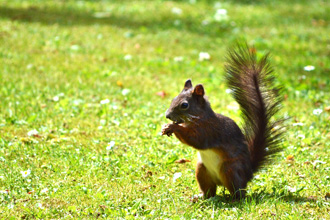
<point x="167" y="130"/>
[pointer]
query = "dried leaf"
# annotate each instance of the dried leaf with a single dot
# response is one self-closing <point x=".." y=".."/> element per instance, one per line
<point x="327" y="195"/>
<point x="120" y="84"/>
<point x="327" y="109"/>
<point x="161" y="94"/>
<point x="183" y="160"/>
<point x="290" y="158"/>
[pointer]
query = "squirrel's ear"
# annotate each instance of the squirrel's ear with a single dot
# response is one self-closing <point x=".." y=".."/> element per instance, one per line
<point x="187" y="84"/>
<point x="199" y="90"/>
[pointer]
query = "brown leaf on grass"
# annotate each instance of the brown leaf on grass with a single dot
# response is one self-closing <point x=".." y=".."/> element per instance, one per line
<point x="327" y="109"/>
<point x="148" y="187"/>
<point x="120" y="84"/>
<point x="327" y="196"/>
<point x="183" y="160"/>
<point x="161" y="93"/>
<point x="300" y="175"/>
<point x="148" y="174"/>
<point x="312" y="198"/>
<point x="290" y="158"/>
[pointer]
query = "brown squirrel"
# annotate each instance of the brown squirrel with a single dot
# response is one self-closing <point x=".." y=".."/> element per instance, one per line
<point x="226" y="156"/>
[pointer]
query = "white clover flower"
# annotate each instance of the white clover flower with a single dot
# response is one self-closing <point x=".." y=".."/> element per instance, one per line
<point x="39" y="205"/>
<point x="221" y="14"/>
<point x="204" y="56"/>
<point x="128" y="57"/>
<point x="75" y="47"/>
<point x="125" y="91"/>
<point x="317" y="111"/>
<point x="105" y="101"/>
<point x="26" y="173"/>
<point x="229" y="91"/>
<point x="177" y="11"/>
<point x="309" y="68"/>
<point x="176" y="176"/>
<point x="110" y="145"/>
<point x="177" y="22"/>
<point x="56" y="98"/>
<point x="178" y="59"/>
<point x="33" y="132"/>
<point x="45" y="190"/>
<point x="301" y="136"/>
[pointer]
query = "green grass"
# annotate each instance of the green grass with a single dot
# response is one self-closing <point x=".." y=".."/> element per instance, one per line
<point x="60" y="59"/>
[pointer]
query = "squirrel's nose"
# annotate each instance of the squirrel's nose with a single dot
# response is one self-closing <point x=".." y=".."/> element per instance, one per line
<point x="167" y="115"/>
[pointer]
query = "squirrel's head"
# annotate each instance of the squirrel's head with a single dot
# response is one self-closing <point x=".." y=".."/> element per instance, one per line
<point x="189" y="105"/>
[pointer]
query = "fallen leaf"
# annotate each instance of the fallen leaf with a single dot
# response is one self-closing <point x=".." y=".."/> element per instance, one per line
<point x="327" y="196"/>
<point x="119" y="83"/>
<point x="313" y="198"/>
<point x="161" y="94"/>
<point x="183" y="160"/>
<point x="327" y="109"/>
<point x="290" y="158"/>
<point x="137" y="46"/>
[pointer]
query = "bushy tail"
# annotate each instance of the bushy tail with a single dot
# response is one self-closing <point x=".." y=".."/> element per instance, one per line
<point x="252" y="85"/>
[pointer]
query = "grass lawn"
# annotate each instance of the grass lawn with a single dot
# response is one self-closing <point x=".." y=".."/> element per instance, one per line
<point x="84" y="86"/>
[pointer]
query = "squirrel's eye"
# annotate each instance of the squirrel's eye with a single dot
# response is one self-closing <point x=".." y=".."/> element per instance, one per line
<point x="184" y="105"/>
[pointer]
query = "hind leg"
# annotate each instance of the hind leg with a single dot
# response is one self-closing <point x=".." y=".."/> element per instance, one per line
<point x="205" y="182"/>
<point x="236" y="176"/>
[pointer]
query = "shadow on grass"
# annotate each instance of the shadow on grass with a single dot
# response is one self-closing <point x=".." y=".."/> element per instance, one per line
<point x="226" y="201"/>
<point x="66" y="16"/>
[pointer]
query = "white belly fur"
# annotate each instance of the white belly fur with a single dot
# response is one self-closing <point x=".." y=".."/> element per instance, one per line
<point x="213" y="162"/>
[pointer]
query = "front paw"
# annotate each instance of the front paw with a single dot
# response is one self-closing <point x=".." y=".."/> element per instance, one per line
<point x="168" y="129"/>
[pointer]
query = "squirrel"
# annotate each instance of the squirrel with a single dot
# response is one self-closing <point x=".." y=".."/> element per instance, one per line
<point x="227" y="155"/>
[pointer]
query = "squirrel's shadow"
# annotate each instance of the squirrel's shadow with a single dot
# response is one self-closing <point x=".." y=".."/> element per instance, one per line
<point x="226" y="201"/>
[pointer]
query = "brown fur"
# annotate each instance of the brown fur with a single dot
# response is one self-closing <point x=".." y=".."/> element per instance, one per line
<point x="239" y="155"/>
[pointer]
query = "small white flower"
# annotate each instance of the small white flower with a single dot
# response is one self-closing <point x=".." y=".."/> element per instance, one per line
<point x="2" y="177"/>
<point x="161" y="177"/>
<point x="100" y="127"/>
<point x="125" y="91"/>
<point x="309" y="68"/>
<point x="176" y="176"/>
<point x="205" y="22"/>
<point x="128" y="57"/>
<point x="177" y="11"/>
<point x="75" y="47"/>
<point x="55" y="190"/>
<point x="301" y="136"/>
<point x="229" y="91"/>
<point x="177" y="22"/>
<point x="204" y="56"/>
<point x="39" y="205"/>
<point x="3" y="191"/>
<point x="297" y="124"/>
<point x="110" y="145"/>
<point x="221" y="14"/>
<point x="291" y="189"/>
<point x="32" y="132"/>
<point x="45" y="190"/>
<point x="178" y="59"/>
<point x="56" y="98"/>
<point x="317" y="111"/>
<point x="105" y="101"/>
<point x="26" y="173"/>
<point x="10" y="206"/>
